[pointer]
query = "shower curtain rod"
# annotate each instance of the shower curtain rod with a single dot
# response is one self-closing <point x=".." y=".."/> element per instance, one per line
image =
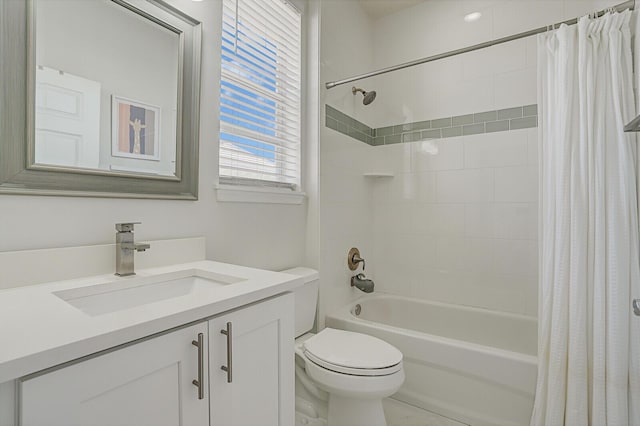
<point x="331" y="84"/>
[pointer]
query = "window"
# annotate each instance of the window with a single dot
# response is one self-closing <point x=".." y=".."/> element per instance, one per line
<point x="260" y="91"/>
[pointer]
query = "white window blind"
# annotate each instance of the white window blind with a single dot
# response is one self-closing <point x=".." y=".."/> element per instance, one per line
<point x="260" y="107"/>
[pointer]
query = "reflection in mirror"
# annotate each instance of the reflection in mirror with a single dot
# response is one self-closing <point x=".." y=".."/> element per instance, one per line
<point x="107" y="82"/>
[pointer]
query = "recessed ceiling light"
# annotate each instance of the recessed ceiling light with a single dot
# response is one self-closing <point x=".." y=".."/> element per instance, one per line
<point x="473" y="16"/>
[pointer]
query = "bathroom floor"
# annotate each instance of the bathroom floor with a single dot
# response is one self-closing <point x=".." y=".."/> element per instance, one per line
<point x="397" y="414"/>
<point x="401" y="414"/>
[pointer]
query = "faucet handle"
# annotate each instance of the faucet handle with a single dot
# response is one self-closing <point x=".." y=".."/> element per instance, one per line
<point x="353" y="259"/>
<point x="126" y="226"/>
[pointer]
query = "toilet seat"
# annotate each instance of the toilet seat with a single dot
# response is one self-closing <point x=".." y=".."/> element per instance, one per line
<point x="355" y="354"/>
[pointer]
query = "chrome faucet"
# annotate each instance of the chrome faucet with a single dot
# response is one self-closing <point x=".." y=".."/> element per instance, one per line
<point x="125" y="248"/>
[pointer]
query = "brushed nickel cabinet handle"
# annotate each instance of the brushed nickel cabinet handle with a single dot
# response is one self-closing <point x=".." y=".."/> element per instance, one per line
<point x="636" y="306"/>
<point x="200" y="382"/>
<point x="229" y="367"/>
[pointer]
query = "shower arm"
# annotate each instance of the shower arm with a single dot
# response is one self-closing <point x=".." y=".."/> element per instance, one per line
<point x="631" y="4"/>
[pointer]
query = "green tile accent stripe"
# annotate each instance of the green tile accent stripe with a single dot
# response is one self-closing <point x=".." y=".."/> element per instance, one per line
<point x="522" y="117"/>
<point x="349" y="126"/>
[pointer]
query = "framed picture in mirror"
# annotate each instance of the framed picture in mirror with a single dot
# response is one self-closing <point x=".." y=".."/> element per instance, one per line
<point x="136" y="129"/>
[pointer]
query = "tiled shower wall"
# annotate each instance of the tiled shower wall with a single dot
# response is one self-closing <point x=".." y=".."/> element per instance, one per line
<point x="457" y="222"/>
<point x="454" y="218"/>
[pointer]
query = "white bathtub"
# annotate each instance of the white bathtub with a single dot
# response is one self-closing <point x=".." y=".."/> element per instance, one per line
<point x="472" y="365"/>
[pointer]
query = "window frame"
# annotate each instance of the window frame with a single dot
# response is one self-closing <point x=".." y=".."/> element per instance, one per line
<point x="234" y="189"/>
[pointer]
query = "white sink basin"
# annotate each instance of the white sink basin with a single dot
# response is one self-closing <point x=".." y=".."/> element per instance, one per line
<point x="126" y="293"/>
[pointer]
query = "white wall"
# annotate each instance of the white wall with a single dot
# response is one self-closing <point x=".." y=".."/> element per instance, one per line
<point x="345" y="195"/>
<point x="458" y="222"/>
<point x="262" y="235"/>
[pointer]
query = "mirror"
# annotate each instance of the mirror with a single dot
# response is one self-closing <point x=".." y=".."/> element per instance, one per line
<point x="106" y="100"/>
<point x="110" y="95"/>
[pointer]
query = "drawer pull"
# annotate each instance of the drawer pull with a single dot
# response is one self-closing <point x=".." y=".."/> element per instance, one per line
<point x="200" y="382"/>
<point x="229" y="367"/>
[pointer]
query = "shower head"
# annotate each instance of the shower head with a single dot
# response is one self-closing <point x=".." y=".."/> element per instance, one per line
<point x="368" y="96"/>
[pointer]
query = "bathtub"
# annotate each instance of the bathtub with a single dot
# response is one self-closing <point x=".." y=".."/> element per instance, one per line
<point x="472" y="365"/>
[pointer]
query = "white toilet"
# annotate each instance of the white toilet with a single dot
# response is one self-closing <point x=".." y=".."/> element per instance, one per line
<point x="345" y="375"/>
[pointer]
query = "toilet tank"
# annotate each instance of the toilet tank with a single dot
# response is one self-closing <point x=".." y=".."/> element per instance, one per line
<point x="306" y="299"/>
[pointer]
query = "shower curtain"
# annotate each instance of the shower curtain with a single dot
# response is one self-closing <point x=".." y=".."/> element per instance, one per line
<point x="588" y="338"/>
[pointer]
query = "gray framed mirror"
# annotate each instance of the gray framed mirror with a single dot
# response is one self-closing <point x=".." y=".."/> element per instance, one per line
<point x="99" y="98"/>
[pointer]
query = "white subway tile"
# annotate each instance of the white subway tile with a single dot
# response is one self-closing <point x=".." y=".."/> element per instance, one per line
<point x="394" y="218"/>
<point x="516" y="184"/>
<point x="350" y="224"/>
<point x="494" y="291"/>
<point x="422" y="219"/>
<point x="516" y="88"/>
<point x="478" y="255"/>
<point x="496" y="59"/>
<point x="532" y="51"/>
<point x="438" y="220"/>
<point x="578" y="8"/>
<point x="466" y="96"/>
<point x="531" y="296"/>
<point x="438" y="285"/>
<point x="516" y="257"/>
<point x="340" y="188"/>
<point x="410" y="251"/>
<point x="402" y="188"/>
<point x="447" y="219"/>
<point x="480" y="220"/>
<point x="450" y="253"/>
<point x="349" y="160"/>
<point x="460" y="186"/>
<point x="394" y="158"/>
<point x="532" y="146"/>
<point x="512" y="17"/>
<point x="496" y="149"/>
<point x="426" y="185"/>
<point x="441" y="154"/>
<point x="464" y="254"/>
<point x="516" y="221"/>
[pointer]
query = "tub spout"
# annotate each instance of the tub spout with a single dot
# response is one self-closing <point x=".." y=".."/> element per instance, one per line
<point x="362" y="283"/>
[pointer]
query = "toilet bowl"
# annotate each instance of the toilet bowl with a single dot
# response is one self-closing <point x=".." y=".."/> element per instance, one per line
<point x="344" y="375"/>
<point x="356" y="371"/>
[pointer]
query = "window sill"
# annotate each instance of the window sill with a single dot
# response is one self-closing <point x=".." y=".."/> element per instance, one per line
<point x="240" y="194"/>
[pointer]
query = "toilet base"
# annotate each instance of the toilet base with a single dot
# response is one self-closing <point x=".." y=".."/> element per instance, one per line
<point x="344" y="411"/>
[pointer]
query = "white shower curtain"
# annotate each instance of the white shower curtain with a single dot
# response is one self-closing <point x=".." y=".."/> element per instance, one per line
<point x="588" y="338"/>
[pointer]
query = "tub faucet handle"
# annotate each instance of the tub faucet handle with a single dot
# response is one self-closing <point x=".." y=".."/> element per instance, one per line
<point x="353" y="259"/>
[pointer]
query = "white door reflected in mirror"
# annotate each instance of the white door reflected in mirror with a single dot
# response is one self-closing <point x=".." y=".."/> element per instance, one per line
<point x="67" y="120"/>
<point x="106" y="88"/>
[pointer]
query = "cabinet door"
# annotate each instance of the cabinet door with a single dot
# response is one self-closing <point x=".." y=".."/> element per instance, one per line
<point x="148" y="383"/>
<point x="261" y="391"/>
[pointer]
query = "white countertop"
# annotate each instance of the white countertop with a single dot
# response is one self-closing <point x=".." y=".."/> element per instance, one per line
<point x="39" y="330"/>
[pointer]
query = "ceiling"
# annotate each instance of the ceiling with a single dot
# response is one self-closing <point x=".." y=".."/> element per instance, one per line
<point x="379" y="8"/>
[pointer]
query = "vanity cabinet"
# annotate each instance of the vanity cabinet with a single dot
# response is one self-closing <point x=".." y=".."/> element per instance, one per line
<point x="147" y="383"/>
<point x="251" y="365"/>
<point x="151" y="382"/>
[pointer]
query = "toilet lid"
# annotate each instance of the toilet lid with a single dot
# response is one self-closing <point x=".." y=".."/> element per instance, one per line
<point x="352" y="353"/>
